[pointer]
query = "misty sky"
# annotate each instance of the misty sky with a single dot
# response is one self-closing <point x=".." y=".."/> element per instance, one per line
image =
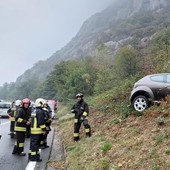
<point x="32" y="30"/>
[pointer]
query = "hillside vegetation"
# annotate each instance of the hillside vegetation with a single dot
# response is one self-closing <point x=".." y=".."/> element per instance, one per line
<point x="121" y="138"/>
<point x="137" y="32"/>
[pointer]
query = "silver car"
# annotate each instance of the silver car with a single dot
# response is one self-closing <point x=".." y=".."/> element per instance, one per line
<point x="149" y="89"/>
<point x="4" y="106"/>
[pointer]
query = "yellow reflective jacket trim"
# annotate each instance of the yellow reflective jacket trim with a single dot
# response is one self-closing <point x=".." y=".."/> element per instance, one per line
<point x="84" y="113"/>
<point x="87" y="130"/>
<point x="12" y="119"/>
<point x="35" y="129"/>
<point x="75" y="120"/>
<point x="76" y="134"/>
<point x="21" y="145"/>
<point x="33" y="153"/>
<point x="20" y="129"/>
<point x="20" y="120"/>
<point x="15" y="111"/>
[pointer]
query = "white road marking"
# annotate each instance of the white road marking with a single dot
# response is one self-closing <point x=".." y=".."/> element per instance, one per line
<point x="31" y="164"/>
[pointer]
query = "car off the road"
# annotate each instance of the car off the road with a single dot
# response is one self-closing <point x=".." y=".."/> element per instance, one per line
<point x="149" y="89"/>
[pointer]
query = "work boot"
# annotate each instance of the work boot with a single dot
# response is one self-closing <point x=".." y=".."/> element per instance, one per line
<point x="37" y="160"/>
<point x="88" y="135"/>
<point x="22" y="154"/>
<point x="76" y="139"/>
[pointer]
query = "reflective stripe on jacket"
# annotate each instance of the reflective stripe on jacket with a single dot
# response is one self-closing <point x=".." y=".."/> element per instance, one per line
<point x="37" y="121"/>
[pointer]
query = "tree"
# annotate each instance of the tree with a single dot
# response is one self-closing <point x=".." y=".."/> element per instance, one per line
<point x="127" y="62"/>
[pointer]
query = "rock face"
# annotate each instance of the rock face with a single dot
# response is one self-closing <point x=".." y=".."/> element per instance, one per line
<point x="126" y="8"/>
<point x="99" y="28"/>
<point x="149" y="4"/>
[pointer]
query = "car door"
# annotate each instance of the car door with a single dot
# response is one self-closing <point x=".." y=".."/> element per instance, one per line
<point x="158" y="86"/>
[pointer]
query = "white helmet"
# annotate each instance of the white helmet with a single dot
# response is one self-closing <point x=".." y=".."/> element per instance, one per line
<point x="40" y="102"/>
<point x="17" y="102"/>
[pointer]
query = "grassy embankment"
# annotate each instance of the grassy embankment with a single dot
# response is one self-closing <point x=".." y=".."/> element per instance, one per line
<point x="121" y="139"/>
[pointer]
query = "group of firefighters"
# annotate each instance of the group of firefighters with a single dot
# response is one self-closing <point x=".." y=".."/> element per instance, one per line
<point x="35" y="122"/>
<point x="29" y="121"/>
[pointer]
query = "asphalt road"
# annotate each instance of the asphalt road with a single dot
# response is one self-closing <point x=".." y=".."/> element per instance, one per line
<point x="8" y="161"/>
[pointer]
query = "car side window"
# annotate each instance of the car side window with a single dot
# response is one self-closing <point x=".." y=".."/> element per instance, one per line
<point x="157" y="78"/>
<point x="168" y="78"/>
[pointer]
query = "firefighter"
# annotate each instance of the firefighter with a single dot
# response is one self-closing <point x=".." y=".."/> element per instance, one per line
<point x="81" y="111"/>
<point x="12" y="113"/>
<point x="38" y="128"/>
<point x="21" y="121"/>
<point x="48" y="120"/>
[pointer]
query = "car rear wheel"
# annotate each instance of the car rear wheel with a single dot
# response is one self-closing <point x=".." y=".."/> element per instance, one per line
<point x="140" y="103"/>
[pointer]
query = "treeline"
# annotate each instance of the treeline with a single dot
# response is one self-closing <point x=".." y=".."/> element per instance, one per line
<point x="98" y="73"/>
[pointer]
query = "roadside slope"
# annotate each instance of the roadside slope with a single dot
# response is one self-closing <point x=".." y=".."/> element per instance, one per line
<point x="137" y="142"/>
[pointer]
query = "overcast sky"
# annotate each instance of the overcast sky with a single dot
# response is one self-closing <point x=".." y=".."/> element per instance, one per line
<point x="32" y="30"/>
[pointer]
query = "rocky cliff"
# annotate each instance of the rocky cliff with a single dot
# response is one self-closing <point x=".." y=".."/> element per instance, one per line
<point x="106" y="28"/>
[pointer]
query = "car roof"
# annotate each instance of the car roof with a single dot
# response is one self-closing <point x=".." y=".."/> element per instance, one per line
<point x="150" y="75"/>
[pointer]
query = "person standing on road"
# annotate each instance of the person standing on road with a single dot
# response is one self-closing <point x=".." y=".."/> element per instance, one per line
<point x="12" y="113"/>
<point x="38" y="128"/>
<point x="81" y="111"/>
<point x="48" y="120"/>
<point x="22" y="120"/>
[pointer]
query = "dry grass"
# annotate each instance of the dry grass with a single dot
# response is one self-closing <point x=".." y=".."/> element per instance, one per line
<point x="137" y="143"/>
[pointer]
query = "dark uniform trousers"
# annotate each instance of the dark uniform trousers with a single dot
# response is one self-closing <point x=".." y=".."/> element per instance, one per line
<point x="34" y="153"/>
<point x="43" y="142"/>
<point x="12" y="122"/>
<point x="12" y="125"/>
<point x="77" y="126"/>
<point x="19" y="144"/>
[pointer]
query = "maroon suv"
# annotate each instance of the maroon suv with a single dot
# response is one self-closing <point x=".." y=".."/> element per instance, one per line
<point x="149" y="89"/>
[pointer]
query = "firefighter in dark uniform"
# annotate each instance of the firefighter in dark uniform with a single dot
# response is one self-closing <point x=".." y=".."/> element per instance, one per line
<point x="21" y="121"/>
<point x="12" y="113"/>
<point x="48" y="120"/>
<point x="81" y="111"/>
<point x="38" y="128"/>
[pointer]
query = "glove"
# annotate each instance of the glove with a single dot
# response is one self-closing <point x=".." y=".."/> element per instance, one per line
<point x="82" y="118"/>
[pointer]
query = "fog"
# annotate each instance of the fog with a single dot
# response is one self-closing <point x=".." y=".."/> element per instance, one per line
<point x="32" y="30"/>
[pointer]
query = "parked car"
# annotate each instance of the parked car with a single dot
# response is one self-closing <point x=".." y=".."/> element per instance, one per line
<point x="53" y="106"/>
<point x="149" y="89"/>
<point x="4" y="106"/>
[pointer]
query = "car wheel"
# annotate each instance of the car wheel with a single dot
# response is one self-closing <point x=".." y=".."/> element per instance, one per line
<point x="140" y="103"/>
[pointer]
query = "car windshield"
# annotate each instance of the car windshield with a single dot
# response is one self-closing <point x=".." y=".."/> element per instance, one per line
<point x="4" y="105"/>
